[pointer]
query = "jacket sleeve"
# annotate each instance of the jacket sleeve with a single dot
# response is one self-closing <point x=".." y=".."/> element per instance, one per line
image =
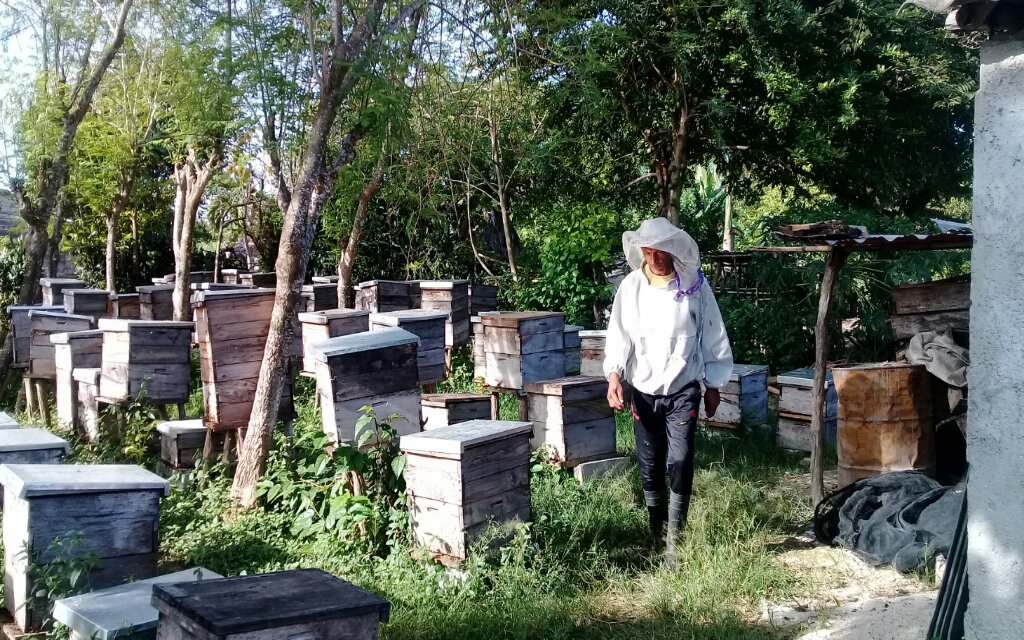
<point x="715" y="345"/>
<point x="618" y="346"/>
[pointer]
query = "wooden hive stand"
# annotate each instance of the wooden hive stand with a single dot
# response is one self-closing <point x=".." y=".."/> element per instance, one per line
<point x="42" y="366"/>
<point x="744" y="399"/>
<point x="444" y="409"/>
<point x="429" y="327"/>
<point x="78" y="349"/>
<point x="318" y="326"/>
<point x="572" y="419"/>
<point x="464" y="477"/>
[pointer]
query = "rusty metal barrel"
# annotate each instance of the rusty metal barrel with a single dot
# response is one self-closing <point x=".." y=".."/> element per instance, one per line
<point x="886" y="420"/>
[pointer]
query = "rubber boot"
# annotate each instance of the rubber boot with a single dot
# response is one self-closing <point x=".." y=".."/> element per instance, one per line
<point x="656" y="513"/>
<point x="678" y="507"/>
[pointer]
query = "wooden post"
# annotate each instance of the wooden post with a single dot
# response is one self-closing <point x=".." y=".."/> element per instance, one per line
<point x="495" y="405"/>
<point x="834" y="262"/>
<point x="44" y="405"/>
<point x="524" y="407"/>
<point x="181" y="411"/>
<point x="30" y="395"/>
<point x="430" y="388"/>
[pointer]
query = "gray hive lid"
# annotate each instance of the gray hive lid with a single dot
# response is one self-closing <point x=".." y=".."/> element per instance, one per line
<point x="70" y="336"/>
<point x="364" y="341"/>
<point x="746" y="370"/>
<point x="395" y="318"/>
<point x="29" y="480"/>
<point x="34" y="307"/>
<point x="268" y="601"/>
<point x="154" y="288"/>
<point x="325" y="279"/>
<point x="110" y="324"/>
<point x="558" y="386"/>
<point x="456" y="438"/>
<point x="234" y="292"/>
<point x="373" y="283"/>
<point x="49" y="282"/>
<point x="446" y="399"/>
<point x="57" y="314"/>
<point x="802" y="378"/>
<point x="442" y="284"/>
<point x="7" y="422"/>
<point x="12" y="440"/>
<point x="178" y="427"/>
<point x="325" y="316"/>
<point x="594" y="333"/>
<point x="573" y="328"/>
<point x="120" y="611"/>
<point x="89" y="292"/>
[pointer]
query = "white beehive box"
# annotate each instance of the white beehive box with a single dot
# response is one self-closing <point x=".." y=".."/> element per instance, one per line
<point x="744" y="399"/>
<point x="523" y="347"/>
<point x="572" y="418"/>
<point x="73" y="350"/>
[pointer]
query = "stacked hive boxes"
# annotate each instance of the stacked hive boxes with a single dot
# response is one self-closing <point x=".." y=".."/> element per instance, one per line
<point x="53" y="289"/>
<point x="573" y="419"/>
<point x="592" y="352"/>
<point x="323" y="325"/>
<point x="156" y="302"/>
<point x="78" y="349"/>
<point x="462" y="477"/>
<point x="795" y="406"/>
<point x="451" y="296"/>
<point x="523" y="347"/>
<point x="429" y="327"/>
<point x="41" y="351"/>
<point x="385" y="295"/>
<point x="21" y="326"/>
<point x="145" y="359"/>
<point x="744" y="399"/>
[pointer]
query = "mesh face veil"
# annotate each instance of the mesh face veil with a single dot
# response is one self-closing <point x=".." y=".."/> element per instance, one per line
<point x="659" y="233"/>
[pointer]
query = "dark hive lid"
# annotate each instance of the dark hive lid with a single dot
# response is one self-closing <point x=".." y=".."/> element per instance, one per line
<point x="267" y="601"/>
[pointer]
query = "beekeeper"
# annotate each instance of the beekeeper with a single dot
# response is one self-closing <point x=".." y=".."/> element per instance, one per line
<point x="666" y="340"/>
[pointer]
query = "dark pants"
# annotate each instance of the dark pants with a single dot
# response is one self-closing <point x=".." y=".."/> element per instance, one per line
<point x="664" y="428"/>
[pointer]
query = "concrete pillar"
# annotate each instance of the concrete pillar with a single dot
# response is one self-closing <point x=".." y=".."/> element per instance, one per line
<point x="995" y="439"/>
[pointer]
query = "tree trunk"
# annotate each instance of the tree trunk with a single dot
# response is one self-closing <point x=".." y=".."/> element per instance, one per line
<point x="347" y="260"/>
<point x="190" y="181"/>
<point x="136" y="249"/>
<point x="727" y="231"/>
<point x="833" y="264"/>
<point x="52" y="259"/>
<point x="503" y="206"/>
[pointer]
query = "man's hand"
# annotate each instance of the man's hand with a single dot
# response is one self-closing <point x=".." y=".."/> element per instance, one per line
<point x="615" y="396"/>
<point x="712" y="398"/>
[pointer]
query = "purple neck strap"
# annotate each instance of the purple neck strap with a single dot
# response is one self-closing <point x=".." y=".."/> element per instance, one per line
<point x="680" y="292"/>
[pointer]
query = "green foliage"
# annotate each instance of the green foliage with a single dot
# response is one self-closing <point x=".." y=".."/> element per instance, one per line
<point x="65" y="573"/>
<point x="12" y="266"/>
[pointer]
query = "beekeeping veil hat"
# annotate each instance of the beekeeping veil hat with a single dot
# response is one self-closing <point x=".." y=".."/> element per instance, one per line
<point x="658" y="233"/>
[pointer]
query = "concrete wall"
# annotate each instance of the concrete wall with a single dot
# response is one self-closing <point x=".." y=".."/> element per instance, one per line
<point x="995" y="444"/>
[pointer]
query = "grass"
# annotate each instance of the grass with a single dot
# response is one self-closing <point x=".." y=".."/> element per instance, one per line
<point x="584" y="568"/>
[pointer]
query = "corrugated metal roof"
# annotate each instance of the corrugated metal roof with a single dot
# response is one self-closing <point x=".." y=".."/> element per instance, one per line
<point x="884" y="241"/>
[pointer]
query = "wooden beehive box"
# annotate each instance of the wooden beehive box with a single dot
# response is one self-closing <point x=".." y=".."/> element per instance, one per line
<point x="181" y="442"/>
<point x="21" y="327"/>
<point x="744" y="399"/>
<point x="479" y="355"/>
<point x="444" y="409"/>
<point x="265" y="279"/>
<point x="429" y="327"/>
<point x="320" y="297"/>
<point x="231" y="330"/>
<point x="53" y="289"/>
<point x="300" y="604"/>
<point x="156" y="302"/>
<point x="523" y="347"/>
<point x="125" y="306"/>
<point x="795" y="403"/>
<point x="145" y="359"/>
<point x="384" y="295"/>
<point x="73" y="350"/>
<point x="451" y="296"/>
<point x="592" y="352"/>
<point x="572" y="419"/>
<point x="461" y="478"/>
<point x="87" y="302"/>
<point x="31" y="446"/>
<point x="571" y="346"/>
<point x="42" y="363"/>
<point x="482" y="298"/>
<point x="115" y="509"/>
<point x="374" y="368"/>
<point x="230" y="276"/>
<point x="323" y="325"/>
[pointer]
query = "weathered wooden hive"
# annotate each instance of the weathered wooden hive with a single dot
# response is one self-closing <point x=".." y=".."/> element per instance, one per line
<point x="31" y="446"/>
<point x="156" y="302"/>
<point x="444" y="409"/>
<point x="232" y="329"/>
<point x="523" y="347"/>
<point x="931" y="306"/>
<point x="113" y="510"/>
<point x="87" y="302"/>
<point x="265" y="279"/>
<point x="374" y="368"/>
<point x="323" y="325"/>
<point x="21" y="326"/>
<point x="145" y="359"/>
<point x="125" y="306"/>
<point x="795" y="406"/>
<point x="461" y="478"/>
<point x="592" y="352"/>
<point x="744" y="398"/>
<point x="429" y="327"/>
<point x="42" y="363"/>
<point x="319" y="297"/>
<point x="451" y="296"/>
<point x="73" y="350"/>
<point x="384" y="295"/>
<point x="482" y="298"/>
<point x="572" y="419"/>
<point x="181" y="442"/>
<point x="125" y="611"/>
<point x="301" y="604"/>
<point x="571" y="346"/>
<point x="53" y="289"/>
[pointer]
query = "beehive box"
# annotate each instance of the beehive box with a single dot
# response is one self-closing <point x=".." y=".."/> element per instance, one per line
<point x="375" y="368"/>
<point x="479" y="355"/>
<point x="571" y="346"/>
<point x="145" y="359"/>
<point x="523" y="347"/>
<point x="323" y="325"/>
<point x="87" y="302"/>
<point x="125" y="611"/>
<point x="592" y="352"/>
<point x="482" y="297"/>
<point x="451" y="296"/>
<point x="42" y="363"/>
<point x="53" y="289"/>
<point x="931" y="306"/>
<point x="87" y="409"/>
<point x="744" y="398"/>
<point x="156" y="302"/>
<point x="21" y="326"/>
<point x="301" y="604"/>
<point x="444" y="409"/>
<point x="196" y="287"/>
<point x="77" y="349"/>
<point x="7" y="422"/>
<point x="231" y="330"/>
<point x="384" y="295"/>
<point x="181" y="442"/>
<point x="265" y="279"/>
<point x="572" y="419"/>
<point x="795" y="403"/>
<point x="114" y="509"/>
<point x="463" y="477"/>
<point x="429" y="327"/>
<point x="31" y="446"/>
<point x="230" y="276"/>
<point x="320" y="297"/>
<point x="125" y="306"/>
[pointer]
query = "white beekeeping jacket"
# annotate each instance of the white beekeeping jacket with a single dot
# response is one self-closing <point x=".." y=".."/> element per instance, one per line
<point x="661" y="339"/>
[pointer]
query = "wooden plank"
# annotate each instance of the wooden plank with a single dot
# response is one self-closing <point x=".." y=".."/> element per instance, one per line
<point x="527" y="322"/>
<point x="511" y="372"/>
<point x="930" y="297"/>
<point x="373" y="360"/>
<point x="907" y="326"/>
<point x="509" y="341"/>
